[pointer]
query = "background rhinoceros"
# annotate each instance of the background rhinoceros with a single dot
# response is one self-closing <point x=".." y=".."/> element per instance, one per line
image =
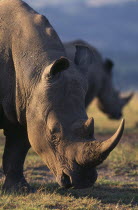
<point x="100" y="85"/>
<point x="42" y="102"/>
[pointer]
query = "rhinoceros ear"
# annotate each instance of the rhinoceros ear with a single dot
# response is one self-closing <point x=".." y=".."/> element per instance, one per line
<point x="83" y="56"/>
<point x="108" y="65"/>
<point x="58" y="66"/>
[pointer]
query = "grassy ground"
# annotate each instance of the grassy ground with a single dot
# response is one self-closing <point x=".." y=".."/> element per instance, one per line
<point x="117" y="184"/>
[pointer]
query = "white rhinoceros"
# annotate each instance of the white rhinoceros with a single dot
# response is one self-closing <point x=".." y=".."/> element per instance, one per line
<point x="42" y="102"/>
<point x="100" y="85"/>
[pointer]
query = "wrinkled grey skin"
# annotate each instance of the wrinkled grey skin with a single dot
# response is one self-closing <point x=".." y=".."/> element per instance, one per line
<point x="100" y="83"/>
<point x="42" y="102"/>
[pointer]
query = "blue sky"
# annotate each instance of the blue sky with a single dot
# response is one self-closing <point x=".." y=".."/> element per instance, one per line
<point x="72" y="3"/>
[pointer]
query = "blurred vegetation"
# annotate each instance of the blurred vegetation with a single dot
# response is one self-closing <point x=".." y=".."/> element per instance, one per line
<point x="105" y="125"/>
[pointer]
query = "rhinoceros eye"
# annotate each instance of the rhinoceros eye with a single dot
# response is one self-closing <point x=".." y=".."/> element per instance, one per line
<point x="55" y="136"/>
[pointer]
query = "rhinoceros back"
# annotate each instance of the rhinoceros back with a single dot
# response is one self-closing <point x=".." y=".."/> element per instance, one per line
<point x="27" y="43"/>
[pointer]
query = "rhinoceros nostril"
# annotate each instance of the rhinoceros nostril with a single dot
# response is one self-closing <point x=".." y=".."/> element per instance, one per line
<point x="65" y="180"/>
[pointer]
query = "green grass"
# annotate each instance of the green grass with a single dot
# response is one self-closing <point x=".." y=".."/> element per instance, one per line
<point x="117" y="184"/>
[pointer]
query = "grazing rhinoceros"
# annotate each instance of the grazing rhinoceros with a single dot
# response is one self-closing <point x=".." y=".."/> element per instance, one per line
<point x="42" y="102"/>
<point x="99" y="81"/>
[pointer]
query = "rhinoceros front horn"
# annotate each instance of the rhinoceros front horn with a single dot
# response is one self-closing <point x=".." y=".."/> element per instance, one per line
<point x="126" y="99"/>
<point x="108" y="145"/>
<point x="95" y="152"/>
<point x="89" y="125"/>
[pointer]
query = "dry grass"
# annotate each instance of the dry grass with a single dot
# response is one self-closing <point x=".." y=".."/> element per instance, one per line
<point x="116" y="187"/>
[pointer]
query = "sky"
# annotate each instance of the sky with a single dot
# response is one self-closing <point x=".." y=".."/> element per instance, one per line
<point x="99" y="3"/>
<point x="87" y="3"/>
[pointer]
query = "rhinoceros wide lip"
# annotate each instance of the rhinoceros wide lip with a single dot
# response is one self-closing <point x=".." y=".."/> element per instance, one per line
<point x="115" y="116"/>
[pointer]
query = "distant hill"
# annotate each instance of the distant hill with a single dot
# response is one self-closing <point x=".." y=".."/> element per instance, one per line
<point x="112" y="29"/>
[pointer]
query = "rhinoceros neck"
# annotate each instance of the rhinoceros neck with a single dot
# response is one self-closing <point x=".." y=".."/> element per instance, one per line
<point x="33" y="44"/>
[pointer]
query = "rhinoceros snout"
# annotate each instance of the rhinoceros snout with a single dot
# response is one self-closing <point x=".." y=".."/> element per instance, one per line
<point x="77" y="181"/>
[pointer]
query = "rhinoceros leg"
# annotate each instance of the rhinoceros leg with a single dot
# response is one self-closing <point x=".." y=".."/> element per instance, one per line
<point x="16" y="148"/>
<point x="1" y="117"/>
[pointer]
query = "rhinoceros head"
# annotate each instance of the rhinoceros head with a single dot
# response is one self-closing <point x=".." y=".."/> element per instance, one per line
<point x="59" y="129"/>
<point x="109" y="100"/>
